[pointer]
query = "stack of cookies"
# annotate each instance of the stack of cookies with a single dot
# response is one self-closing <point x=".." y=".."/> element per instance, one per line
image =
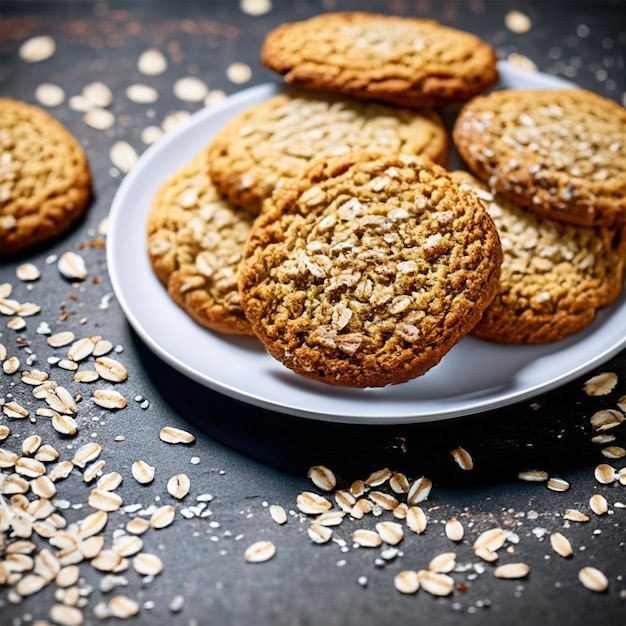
<point x="324" y="220"/>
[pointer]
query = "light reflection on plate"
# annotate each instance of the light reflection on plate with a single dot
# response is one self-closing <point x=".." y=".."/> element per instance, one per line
<point x="474" y="376"/>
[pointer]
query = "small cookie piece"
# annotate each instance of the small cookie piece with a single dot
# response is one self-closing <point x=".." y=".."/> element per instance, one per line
<point x="554" y="277"/>
<point x="273" y="141"/>
<point x="406" y="61"/>
<point x="45" y="180"/>
<point x="368" y="269"/>
<point x="195" y="243"/>
<point x="559" y="153"/>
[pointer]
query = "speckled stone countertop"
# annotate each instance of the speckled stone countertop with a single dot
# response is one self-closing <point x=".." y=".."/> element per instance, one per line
<point x="161" y="557"/>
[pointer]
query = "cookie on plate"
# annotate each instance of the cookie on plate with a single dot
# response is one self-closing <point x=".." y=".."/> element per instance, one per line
<point x="273" y="141"/>
<point x="559" y="153"/>
<point x="368" y="269"/>
<point x="407" y="61"/>
<point x="195" y="243"/>
<point x="45" y="180"/>
<point x="554" y="277"/>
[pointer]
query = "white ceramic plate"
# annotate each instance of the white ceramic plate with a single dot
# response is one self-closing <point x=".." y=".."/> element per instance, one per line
<point x="473" y="377"/>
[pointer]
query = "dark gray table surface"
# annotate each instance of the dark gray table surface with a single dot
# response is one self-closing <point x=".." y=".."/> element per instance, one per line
<point x="246" y="458"/>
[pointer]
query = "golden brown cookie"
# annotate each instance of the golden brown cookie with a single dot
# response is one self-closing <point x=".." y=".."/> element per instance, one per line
<point x="195" y="244"/>
<point x="368" y="269"/>
<point x="555" y="276"/>
<point x="559" y="153"/>
<point x="45" y="180"/>
<point x="407" y="61"/>
<point x="273" y="141"/>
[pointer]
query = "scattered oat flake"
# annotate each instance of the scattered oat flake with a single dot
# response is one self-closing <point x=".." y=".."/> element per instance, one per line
<point x="122" y="607"/>
<point x="255" y="7"/>
<point x="593" y="579"/>
<point x="312" y="503"/>
<point x="443" y="563"/>
<point x="37" y="49"/>
<point x="72" y="266"/>
<point x="322" y="477"/>
<point x="614" y="452"/>
<point x="123" y="156"/>
<point x="27" y="272"/>
<point x="606" y="419"/>
<point x="517" y="22"/>
<point x="147" y="564"/>
<point x="533" y="476"/>
<point x="406" y="581"/>
<point x="151" y="62"/>
<point x="511" y="570"/>
<point x="557" y="484"/>
<point x="598" y="504"/>
<point x="142" y="472"/>
<point x="601" y="384"/>
<point x="454" y="529"/>
<point x="561" y="545"/>
<point x="163" y="517"/>
<point x="108" y="399"/>
<point x="278" y="514"/>
<point x="260" y="551"/>
<point x="178" y="486"/>
<point x="99" y="119"/>
<point x="190" y="89"/>
<point x="462" y="458"/>
<point x="575" y="516"/>
<point x="238" y="73"/>
<point x="98" y="94"/>
<point x="170" y="434"/>
<point x="142" y="94"/>
<point x="49" y="95"/>
<point x="65" y="615"/>
<point x="435" y="583"/>
<point x="319" y="534"/>
<point x="151" y="134"/>
<point x="604" y="474"/>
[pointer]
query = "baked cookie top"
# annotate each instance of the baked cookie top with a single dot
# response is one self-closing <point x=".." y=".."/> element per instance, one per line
<point x="195" y="243"/>
<point x="45" y="180"/>
<point x="560" y="153"/>
<point x="368" y="269"/>
<point x="554" y="276"/>
<point x="407" y="61"/>
<point x="273" y="141"/>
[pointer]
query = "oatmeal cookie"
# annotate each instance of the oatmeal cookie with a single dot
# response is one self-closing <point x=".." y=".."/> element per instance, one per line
<point x="559" y="153"/>
<point x="195" y="243"/>
<point x="406" y="61"/>
<point x="368" y="269"/>
<point x="45" y="179"/>
<point x="273" y="141"/>
<point x="554" y="276"/>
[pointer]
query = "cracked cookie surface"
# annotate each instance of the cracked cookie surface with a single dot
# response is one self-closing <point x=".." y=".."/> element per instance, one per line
<point x="45" y="179"/>
<point x="554" y="277"/>
<point x="273" y="141"/>
<point x="407" y="61"/>
<point x="559" y="153"/>
<point x="368" y="269"/>
<point x="195" y="244"/>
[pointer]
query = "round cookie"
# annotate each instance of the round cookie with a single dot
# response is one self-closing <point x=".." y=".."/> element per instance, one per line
<point x="407" y="61"/>
<point x="45" y="180"/>
<point x="368" y="269"/>
<point x="273" y="141"/>
<point x="559" y="153"/>
<point x="554" y="276"/>
<point x="195" y="244"/>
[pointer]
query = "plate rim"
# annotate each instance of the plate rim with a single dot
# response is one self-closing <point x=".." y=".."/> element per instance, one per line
<point x="476" y="406"/>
